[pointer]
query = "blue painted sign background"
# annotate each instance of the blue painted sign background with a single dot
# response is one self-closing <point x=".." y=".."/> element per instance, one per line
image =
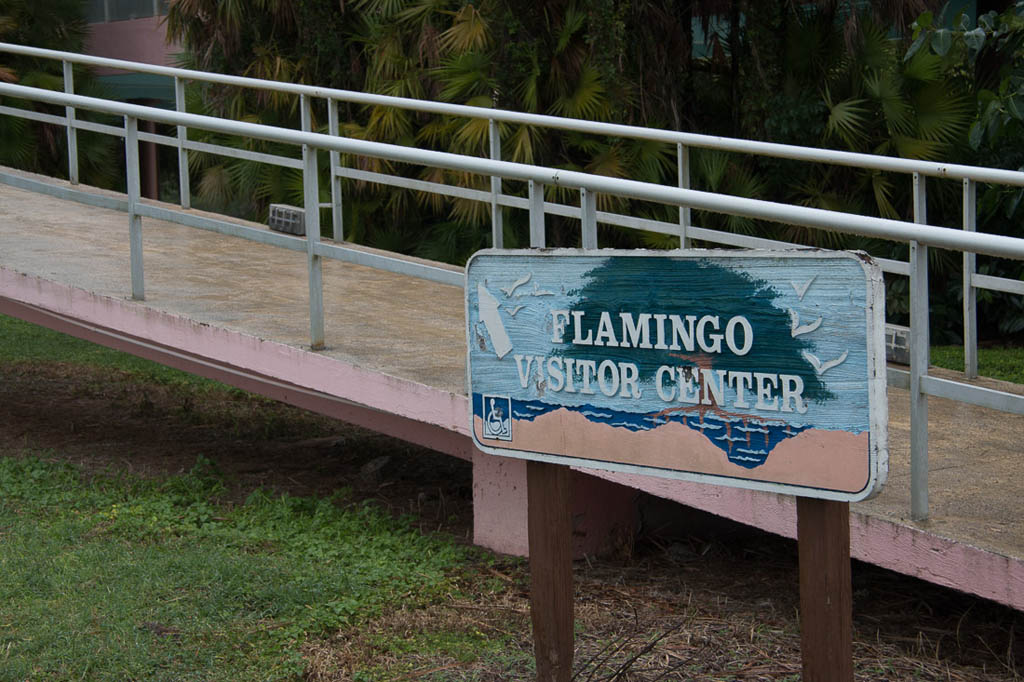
<point x="753" y="369"/>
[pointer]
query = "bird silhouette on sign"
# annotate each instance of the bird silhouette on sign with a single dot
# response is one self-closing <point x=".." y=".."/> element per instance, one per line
<point x="512" y="311"/>
<point x="796" y="329"/>
<point x="801" y="289"/>
<point x="508" y="291"/>
<point x="822" y="367"/>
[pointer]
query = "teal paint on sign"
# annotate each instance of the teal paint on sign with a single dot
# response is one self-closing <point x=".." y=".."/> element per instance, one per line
<point x="754" y="369"/>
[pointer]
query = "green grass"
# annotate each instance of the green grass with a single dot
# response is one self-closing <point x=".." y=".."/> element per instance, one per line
<point x="24" y="342"/>
<point x="121" y="578"/>
<point x="1006" y="364"/>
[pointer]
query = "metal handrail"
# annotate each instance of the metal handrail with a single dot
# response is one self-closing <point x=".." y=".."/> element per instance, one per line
<point x="919" y="234"/>
<point x="754" y="147"/>
<point x="884" y="228"/>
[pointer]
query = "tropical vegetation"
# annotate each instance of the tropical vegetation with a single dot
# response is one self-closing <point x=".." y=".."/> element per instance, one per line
<point x="42" y="148"/>
<point x="911" y="79"/>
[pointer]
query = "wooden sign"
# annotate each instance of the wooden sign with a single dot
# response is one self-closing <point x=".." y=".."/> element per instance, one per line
<point x="754" y="369"/>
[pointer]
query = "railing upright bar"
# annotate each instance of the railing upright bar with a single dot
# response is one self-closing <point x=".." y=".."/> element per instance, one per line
<point x="131" y="155"/>
<point x="69" y="115"/>
<point x="970" y="294"/>
<point x="314" y="262"/>
<point x="497" y="224"/>
<point x="337" y="218"/>
<point x="535" y="193"/>
<point x="919" y="350"/>
<point x="683" y="164"/>
<point x="184" y="188"/>
<point x="588" y="216"/>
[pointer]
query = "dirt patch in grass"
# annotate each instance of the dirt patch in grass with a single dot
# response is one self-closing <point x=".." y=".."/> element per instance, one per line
<point x="711" y="601"/>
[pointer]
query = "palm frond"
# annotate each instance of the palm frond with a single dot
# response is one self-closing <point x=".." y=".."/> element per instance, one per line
<point x="610" y="161"/>
<point x="469" y="31"/>
<point x="574" y="20"/>
<point x="472" y="136"/>
<point x="523" y="144"/>
<point x="917" y="148"/>
<point x="432" y="200"/>
<point x="585" y="100"/>
<point x="215" y="186"/>
<point x="882" y="188"/>
<point x="421" y="12"/>
<point x="847" y="120"/>
<point x="464" y="76"/>
<point x="711" y="166"/>
<point x="942" y="116"/>
<point x="438" y="132"/>
<point x="924" y="67"/>
<point x="884" y="88"/>
<point x="528" y="89"/>
<point x="388" y="124"/>
<point x="650" y="161"/>
<point x="384" y="9"/>
<point x="876" y="50"/>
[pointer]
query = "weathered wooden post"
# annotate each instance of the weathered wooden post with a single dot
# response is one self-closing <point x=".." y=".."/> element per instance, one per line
<point x="753" y="369"/>
<point x="551" y="593"/>
<point x="826" y="602"/>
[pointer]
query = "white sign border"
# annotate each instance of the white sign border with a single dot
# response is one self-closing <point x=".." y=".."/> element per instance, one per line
<point x="878" y="407"/>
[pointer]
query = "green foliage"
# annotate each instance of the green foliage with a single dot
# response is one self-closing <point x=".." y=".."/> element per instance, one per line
<point x="1005" y="364"/>
<point x="116" y="578"/>
<point x="42" y="147"/>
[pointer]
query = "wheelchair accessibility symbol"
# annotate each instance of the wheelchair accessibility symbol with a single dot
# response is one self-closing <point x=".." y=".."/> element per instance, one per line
<point x="497" y="417"/>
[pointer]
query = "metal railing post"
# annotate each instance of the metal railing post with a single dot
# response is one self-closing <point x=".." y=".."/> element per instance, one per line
<point x="69" y="115"/>
<point x="337" y="218"/>
<point x="970" y="294"/>
<point x="184" y="189"/>
<point x="588" y="216"/>
<point x="497" y="225"/>
<point x="535" y="192"/>
<point x="131" y="155"/>
<point x="683" y="164"/>
<point x="919" y="351"/>
<point x="314" y="262"/>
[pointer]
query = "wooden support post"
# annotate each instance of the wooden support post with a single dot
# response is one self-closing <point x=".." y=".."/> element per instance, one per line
<point x="551" y="590"/>
<point x="826" y="604"/>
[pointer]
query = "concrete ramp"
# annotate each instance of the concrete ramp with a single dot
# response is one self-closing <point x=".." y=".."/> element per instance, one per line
<point x="236" y="311"/>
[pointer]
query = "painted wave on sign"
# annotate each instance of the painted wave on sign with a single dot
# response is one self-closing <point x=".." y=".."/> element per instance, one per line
<point x="746" y="441"/>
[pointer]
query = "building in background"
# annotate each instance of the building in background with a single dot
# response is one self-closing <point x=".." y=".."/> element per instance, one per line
<point x="133" y="30"/>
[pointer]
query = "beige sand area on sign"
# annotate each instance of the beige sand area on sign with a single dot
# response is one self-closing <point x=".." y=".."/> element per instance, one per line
<point x="835" y="460"/>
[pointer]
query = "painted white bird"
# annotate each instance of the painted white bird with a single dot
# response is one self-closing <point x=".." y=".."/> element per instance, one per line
<point x="515" y="285"/>
<point x="801" y="289"/>
<point x="796" y="329"/>
<point x="822" y="367"/>
<point x="512" y="311"/>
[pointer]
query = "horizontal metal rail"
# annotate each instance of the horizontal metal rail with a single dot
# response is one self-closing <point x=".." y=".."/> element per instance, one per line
<point x="885" y="228"/>
<point x="959" y="391"/>
<point x="1010" y="286"/>
<point x="753" y="147"/>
